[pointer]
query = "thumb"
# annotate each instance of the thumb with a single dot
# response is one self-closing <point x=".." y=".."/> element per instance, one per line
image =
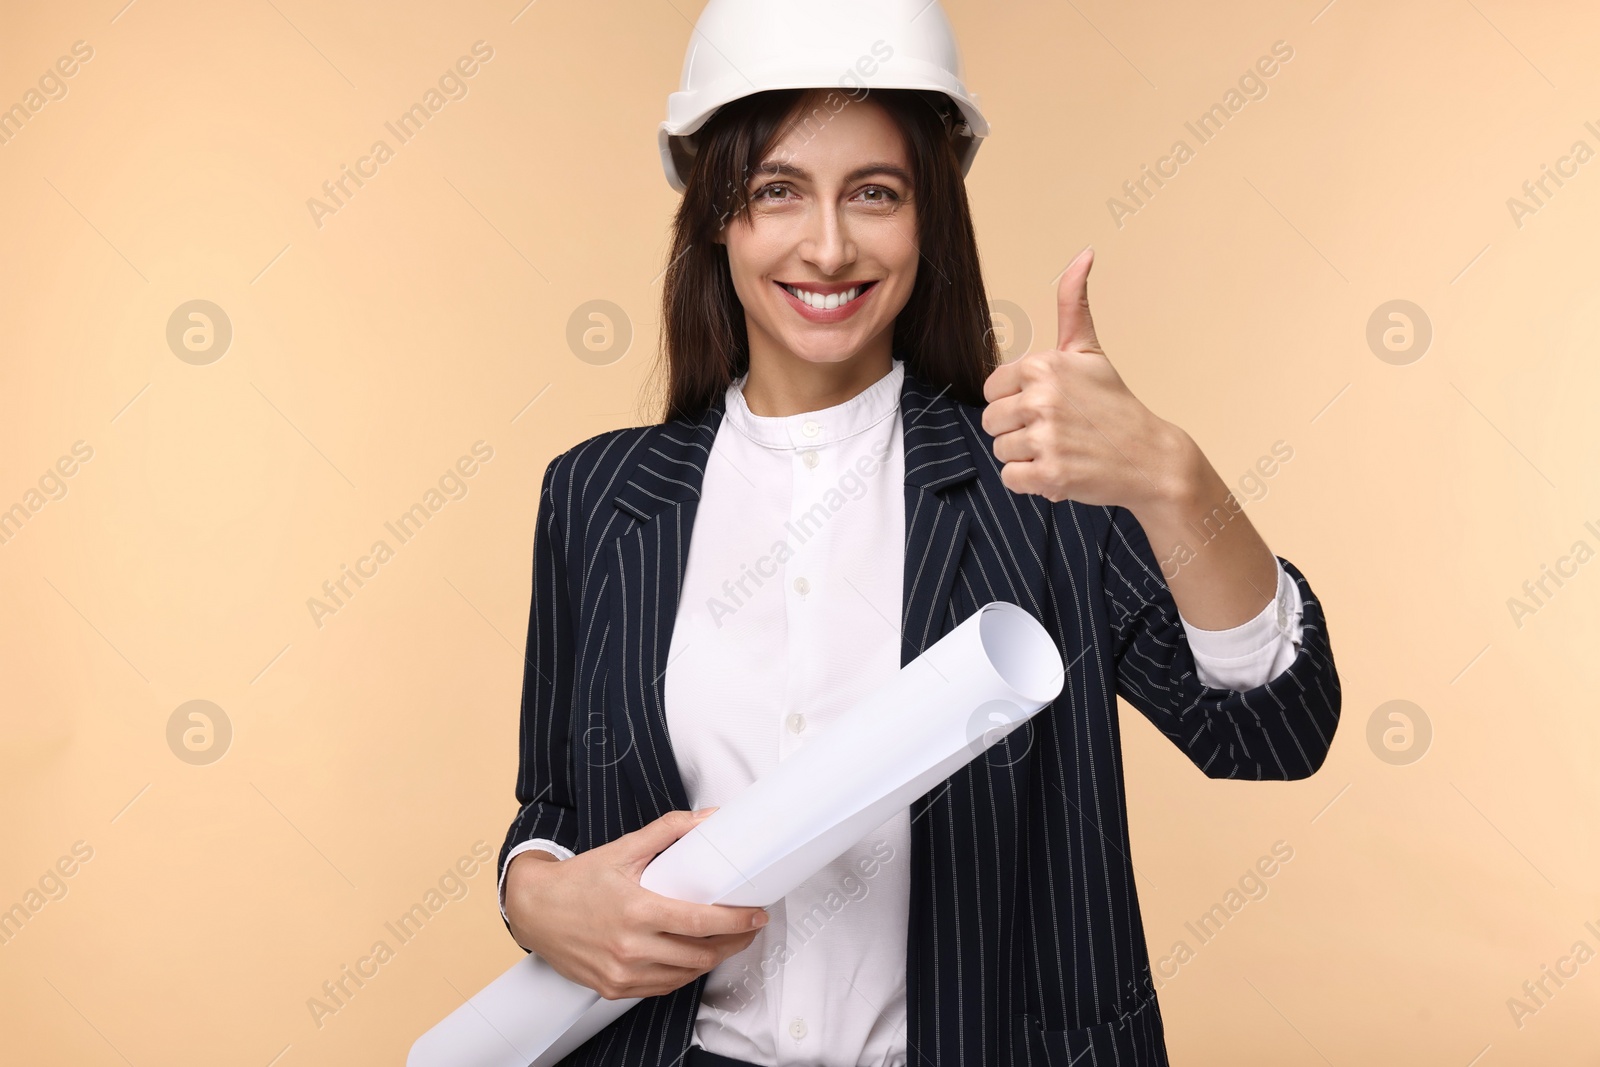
<point x="651" y="839"/>
<point x="1074" y="324"/>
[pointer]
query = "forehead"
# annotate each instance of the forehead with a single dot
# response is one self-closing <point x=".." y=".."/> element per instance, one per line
<point x="829" y="136"/>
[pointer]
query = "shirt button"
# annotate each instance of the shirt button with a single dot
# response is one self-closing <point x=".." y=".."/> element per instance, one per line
<point x="797" y="723"/>
<point x="802" y="586"/>
<point x="810" y="458"/>
<point x="797" y="1029"/>
<point x="811" y="427"/>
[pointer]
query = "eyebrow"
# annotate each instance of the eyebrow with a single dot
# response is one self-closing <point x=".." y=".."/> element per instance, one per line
<point x="779" y="168"/>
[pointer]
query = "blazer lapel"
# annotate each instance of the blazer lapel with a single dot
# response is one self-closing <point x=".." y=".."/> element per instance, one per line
<point x="661" y="491"/>
<point x="937" y="458"/>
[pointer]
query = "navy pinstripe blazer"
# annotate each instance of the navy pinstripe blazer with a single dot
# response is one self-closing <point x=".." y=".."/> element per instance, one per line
<point x="1025" y="942"/>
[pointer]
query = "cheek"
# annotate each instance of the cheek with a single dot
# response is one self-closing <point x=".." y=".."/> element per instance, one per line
<point x="745" y="276"/>
<point x="901" y="257"/>
<point x="751" y="257"/>
<point x="905" y="273"/>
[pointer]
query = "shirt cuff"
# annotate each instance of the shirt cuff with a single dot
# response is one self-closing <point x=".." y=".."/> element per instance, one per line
<point x="1256" y="651"/>
<point x="547" y="845"/>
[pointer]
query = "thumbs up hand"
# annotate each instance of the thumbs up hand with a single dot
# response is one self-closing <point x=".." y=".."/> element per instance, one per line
<point x="1066" y="426"/>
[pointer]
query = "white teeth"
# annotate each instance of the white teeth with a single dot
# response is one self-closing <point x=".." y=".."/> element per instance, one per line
<point x="828" y="302"/>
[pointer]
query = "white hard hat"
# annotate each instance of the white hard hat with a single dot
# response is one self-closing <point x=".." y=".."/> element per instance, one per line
<point x="741" y="47"/>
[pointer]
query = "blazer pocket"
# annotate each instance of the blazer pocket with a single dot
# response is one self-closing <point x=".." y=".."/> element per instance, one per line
<point x="1129" y="1041"/>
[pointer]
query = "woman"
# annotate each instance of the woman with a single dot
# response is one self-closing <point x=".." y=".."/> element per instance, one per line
<point x="829" y="496"/>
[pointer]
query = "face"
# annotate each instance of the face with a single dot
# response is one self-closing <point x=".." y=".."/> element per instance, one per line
<point x="831" y="212"/>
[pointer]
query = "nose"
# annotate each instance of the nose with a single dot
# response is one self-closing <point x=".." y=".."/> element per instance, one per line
<point x="827" y="244"/>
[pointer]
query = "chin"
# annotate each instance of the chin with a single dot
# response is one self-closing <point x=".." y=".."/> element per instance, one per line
<point x="834" y="353"/>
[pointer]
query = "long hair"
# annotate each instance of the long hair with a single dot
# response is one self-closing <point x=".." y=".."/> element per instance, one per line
<point x="943" y="334"/>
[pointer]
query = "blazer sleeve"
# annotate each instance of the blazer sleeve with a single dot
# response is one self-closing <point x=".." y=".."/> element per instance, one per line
<point x="544" y="767"/>
<point x="1279" y="730"/>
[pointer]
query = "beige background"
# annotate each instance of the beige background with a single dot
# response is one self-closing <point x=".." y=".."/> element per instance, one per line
<point x="370" y="753"/>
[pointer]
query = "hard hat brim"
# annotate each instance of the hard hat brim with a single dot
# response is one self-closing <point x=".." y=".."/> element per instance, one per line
<point x="675" y="137"/>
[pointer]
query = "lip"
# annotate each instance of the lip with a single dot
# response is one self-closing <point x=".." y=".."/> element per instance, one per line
<point x="830" y="287"/>
<point x="838" y="314"/>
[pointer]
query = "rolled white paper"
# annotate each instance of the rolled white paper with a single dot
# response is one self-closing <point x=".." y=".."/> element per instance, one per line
<point x="967" y="691"/>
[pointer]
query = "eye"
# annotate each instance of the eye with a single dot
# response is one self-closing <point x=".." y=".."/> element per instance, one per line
<point x="889" y="195"/>
<point x="761" y="194"/>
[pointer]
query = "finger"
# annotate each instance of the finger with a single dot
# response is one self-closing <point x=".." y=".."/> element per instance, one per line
<point x="1014" y="447"/>
<point x="1074" y="326"/>
<point x="1022" y="477"/>
<point x="649" y="977"/>
<point x="703" y="920"/>
<point x="650" y="840"/>
<point x="698" y="954"/>
<point x="1003" y="415"/>
<point x="666" y="976"/>
<point x="1004" y="381"/>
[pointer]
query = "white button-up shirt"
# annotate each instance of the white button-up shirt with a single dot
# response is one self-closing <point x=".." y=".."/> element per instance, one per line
<point x="789" y="616"/>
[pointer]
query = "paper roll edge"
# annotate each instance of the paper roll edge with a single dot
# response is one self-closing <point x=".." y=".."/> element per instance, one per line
<point x="1020" y="651"/>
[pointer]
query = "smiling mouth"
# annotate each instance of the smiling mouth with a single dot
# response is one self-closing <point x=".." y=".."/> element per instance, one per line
<point x="827" y="301"/>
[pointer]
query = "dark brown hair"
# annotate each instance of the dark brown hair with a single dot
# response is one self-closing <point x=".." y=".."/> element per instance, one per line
<point x="944" y="332"/>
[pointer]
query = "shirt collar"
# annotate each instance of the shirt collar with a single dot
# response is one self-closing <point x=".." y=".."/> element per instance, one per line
<point x="810" y="429"/>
